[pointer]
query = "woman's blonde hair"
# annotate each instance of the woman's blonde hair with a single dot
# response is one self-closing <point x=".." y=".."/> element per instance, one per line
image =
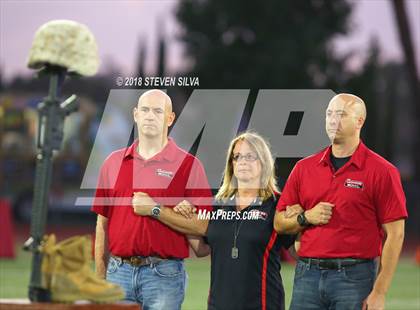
<point x="268" y="181"/>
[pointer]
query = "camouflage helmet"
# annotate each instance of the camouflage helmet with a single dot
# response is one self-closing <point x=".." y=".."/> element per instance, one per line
<point x="67" y="44"/>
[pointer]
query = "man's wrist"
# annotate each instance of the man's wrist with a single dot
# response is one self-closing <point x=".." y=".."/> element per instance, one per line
<point x="379" y="292"/>
<point x="303" y="220"/>
<point x="309" y="217"/>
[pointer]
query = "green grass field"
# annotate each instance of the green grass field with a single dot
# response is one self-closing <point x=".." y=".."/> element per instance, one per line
<point x="403" y="295"/>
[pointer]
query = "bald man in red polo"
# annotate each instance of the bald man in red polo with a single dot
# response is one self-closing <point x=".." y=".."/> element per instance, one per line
<point x="142" y="255"/>
<point x="353" y="212"/>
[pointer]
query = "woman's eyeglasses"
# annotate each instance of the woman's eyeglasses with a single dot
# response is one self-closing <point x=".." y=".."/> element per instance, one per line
<point x="250" y="157"/>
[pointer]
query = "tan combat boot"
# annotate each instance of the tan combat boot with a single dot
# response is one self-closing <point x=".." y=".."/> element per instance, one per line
<point x="47" y="267"/>
<point x="72" y="277"/>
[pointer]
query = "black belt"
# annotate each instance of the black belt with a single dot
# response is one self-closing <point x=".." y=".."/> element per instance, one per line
<point x="333" y="263"/>
<point x="138" y="261"/>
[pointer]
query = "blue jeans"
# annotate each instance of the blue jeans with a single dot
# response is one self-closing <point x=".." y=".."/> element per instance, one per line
<point x="340" y="289"/>
<point x="154" y="287"/>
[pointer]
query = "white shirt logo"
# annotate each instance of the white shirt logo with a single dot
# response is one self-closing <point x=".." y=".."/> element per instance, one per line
<point x="164" y="173"/>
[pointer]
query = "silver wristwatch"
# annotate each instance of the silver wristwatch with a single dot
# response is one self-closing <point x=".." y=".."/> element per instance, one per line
<point x="155" y="211"/>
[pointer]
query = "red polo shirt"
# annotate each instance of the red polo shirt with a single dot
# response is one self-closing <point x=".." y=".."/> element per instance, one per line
<point x="366" y="192"/>
<point x="168" y="177"/>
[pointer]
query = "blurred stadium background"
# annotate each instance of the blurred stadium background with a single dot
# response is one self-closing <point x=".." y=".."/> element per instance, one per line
<point x="367" y="47"/>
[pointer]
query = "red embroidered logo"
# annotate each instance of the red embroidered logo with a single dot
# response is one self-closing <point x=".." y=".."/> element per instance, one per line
<point x="260" y="215"/>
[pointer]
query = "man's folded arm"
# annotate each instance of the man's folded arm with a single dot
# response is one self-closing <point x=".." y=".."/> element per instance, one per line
<point x="284" y="225"/>
<point x="189" y="226"/>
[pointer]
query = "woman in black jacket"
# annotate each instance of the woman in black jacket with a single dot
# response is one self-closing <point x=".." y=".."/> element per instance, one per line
<point x="239" y="234"/>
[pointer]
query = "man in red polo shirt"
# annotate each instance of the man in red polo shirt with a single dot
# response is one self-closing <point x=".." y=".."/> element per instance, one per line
<point x="352" y="198"/>
<point x="142" y="255"/>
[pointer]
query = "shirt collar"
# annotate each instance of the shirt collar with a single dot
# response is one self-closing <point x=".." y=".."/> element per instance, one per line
<point x="168" y="153"/>
<point x="256" y="202"/>
<point x="357" y="158"/>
